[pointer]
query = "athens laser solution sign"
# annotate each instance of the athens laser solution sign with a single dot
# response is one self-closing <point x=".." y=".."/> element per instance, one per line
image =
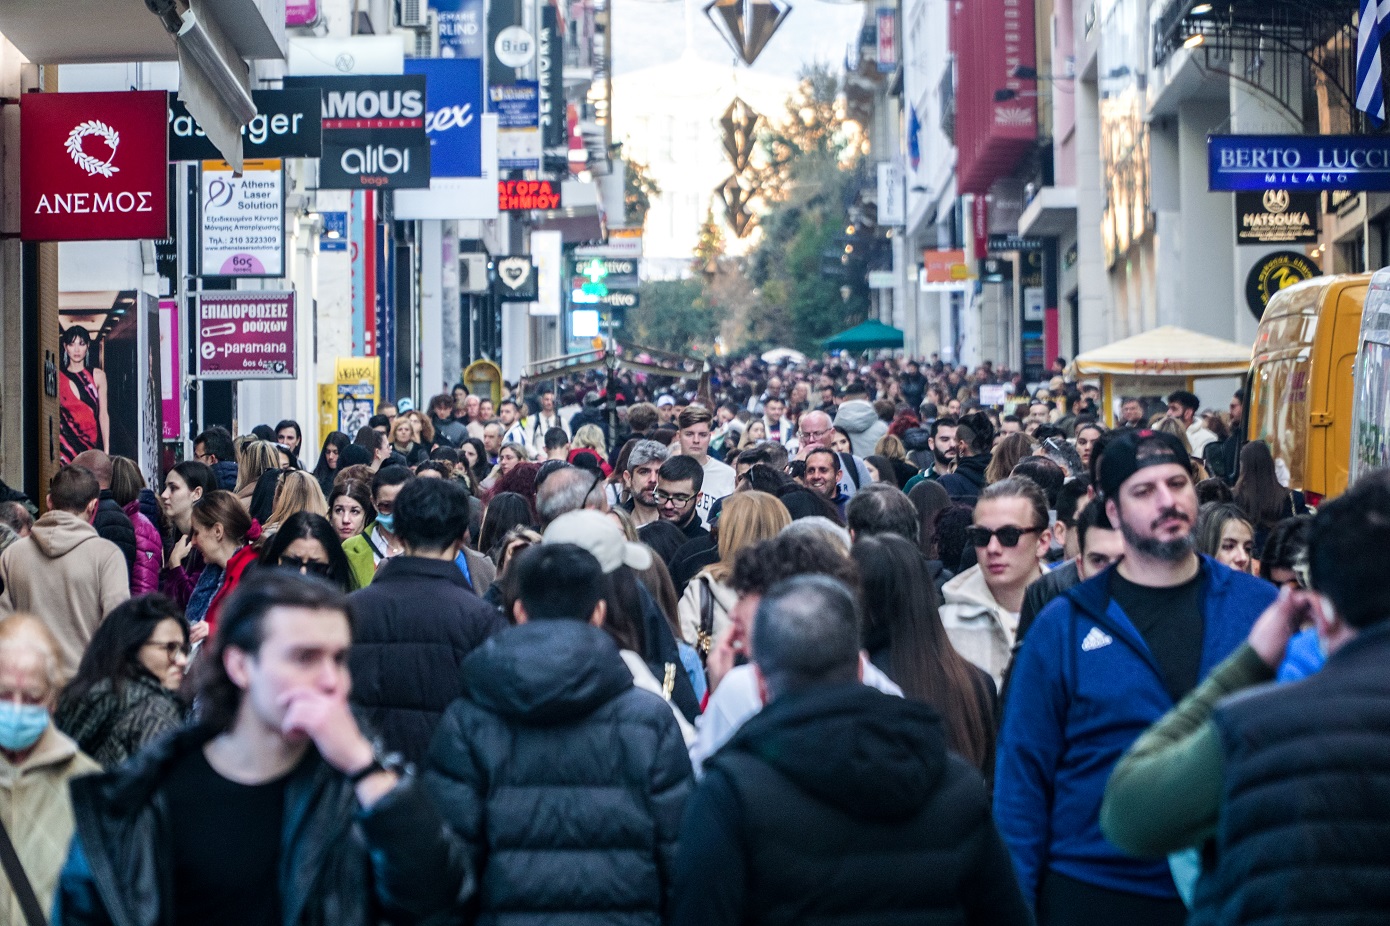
<point x="93" y="166"/>
<point x="245" y="335"/>
<point x="243" y="228"/>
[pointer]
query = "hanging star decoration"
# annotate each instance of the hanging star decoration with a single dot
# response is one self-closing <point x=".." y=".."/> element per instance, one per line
<point x="747" y="25"/>
<point x="739" y="125"/>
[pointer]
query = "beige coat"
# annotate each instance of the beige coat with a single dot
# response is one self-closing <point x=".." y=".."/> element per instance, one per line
<point x="689" y="607"/>
<point x="37" y="812"/>
<point x="977" y="625"/>
<point x="67" y="577"/>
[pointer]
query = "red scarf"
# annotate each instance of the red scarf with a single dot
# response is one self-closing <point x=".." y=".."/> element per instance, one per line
<point x="230" y="577"/>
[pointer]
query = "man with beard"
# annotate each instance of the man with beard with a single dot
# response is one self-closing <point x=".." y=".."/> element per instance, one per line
<point x="640" y="480"/>
<point x="942" y="444"/>
<point x="823" y="476"/>
<point x="1102" y="663"/>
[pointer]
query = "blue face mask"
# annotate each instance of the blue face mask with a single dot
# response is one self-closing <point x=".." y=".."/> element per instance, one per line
<point x="387" y="522"/>
<point x="21" y="725"/>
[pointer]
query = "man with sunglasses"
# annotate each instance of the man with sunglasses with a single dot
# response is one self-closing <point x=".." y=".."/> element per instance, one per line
<point x="678" y="485"/>
<point x="981" y="605"/>
<point x="1103" y="662"/>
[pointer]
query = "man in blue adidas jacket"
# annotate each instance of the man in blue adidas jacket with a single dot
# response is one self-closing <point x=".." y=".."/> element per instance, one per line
<point x="1103" y="662"/>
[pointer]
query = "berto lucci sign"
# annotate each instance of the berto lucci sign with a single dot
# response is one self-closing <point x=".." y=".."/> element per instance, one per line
<point x="373" y="132"/>
<point x="93" y="166"/>
<point x="1298" y="162"/>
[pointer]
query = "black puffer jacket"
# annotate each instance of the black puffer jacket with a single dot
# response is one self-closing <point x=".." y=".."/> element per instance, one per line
<point x="340" y="866"/>
<point x="412" y="628"/>
<point x="113" y="524"/>
<point x="567" y="782"/>
<point x="841" y="805"/>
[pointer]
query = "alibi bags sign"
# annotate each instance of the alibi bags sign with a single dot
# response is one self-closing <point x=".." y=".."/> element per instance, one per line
<point x="373" y="132"/>
<point x="93" y="166"/>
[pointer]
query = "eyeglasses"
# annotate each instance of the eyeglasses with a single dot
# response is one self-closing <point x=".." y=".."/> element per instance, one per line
<point x="815" y="435"/>
<point x="680" y="500"/>
<point x="306" y="566"/>
<point x="171" y="648"/>
<point x="1008" y="536"/>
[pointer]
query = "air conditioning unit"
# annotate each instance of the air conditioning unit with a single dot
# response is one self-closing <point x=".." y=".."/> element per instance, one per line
<point x="427" y="39"/>
<point x="414" y="14"/>
<point x="473" y="276"/>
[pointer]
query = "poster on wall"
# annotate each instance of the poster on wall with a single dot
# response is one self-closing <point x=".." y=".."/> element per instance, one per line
<point x="108" y="376"/>
<point x="246" y="335"/>
<point x="359" y="382"/>
<point x="243" y="220"/>
<point x="518" y="125"/>
<point x="170" y="370"/>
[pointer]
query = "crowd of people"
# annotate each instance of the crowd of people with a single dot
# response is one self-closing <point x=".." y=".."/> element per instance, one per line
<point x="815" y="642"/>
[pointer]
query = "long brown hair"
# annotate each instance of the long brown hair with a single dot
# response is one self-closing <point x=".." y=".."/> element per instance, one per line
<point x="1011" y="449"/>
<point x="1257" y="488"/>
<point x="222" y="507"/>
<point x="900" y="610"/>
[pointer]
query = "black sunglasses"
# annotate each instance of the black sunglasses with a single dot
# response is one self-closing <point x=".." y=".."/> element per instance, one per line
<point x="1008" y="536"/>
<point x="306" y="566"/>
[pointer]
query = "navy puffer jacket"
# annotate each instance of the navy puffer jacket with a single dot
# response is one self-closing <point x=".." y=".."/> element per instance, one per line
<point x="566" y="781"/>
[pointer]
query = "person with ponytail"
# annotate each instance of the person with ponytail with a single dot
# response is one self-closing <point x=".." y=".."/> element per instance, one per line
<point x="223" y="532"/>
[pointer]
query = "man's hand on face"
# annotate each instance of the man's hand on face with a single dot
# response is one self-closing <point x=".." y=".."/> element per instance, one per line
<point x="328" y="722"/>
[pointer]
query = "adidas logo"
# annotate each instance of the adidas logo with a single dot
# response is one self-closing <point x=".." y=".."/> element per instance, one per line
<point x="1095" y="640"/>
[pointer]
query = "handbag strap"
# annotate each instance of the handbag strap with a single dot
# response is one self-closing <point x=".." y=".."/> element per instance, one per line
<point x="19" y="881"/>
<point x="705" y="638"/>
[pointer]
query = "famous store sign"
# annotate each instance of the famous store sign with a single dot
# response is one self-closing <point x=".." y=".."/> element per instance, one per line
<point x="246" y="335"/>
<point x="93" y="166"/>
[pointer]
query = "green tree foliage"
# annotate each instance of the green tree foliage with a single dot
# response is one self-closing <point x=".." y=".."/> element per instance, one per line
<point x="676" y="315"/>
<point x="638" y="189"/>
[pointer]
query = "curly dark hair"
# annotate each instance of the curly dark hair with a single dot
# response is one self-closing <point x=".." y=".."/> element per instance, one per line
<point x="763" y="565"/>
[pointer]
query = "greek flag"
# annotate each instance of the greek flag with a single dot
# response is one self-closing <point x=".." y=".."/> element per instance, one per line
<point x="1370" y="90"/>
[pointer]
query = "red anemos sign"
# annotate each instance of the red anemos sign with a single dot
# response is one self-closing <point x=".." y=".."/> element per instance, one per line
<point x="93" y="166"/>
<point x="524" y="195"/>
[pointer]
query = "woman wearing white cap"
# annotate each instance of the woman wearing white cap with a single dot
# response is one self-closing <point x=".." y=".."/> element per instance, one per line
<point x="624" y="621"/>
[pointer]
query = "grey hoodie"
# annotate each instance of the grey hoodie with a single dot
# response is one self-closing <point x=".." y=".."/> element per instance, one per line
<point x="68" y="577"/>
<point x="863" y="424"/>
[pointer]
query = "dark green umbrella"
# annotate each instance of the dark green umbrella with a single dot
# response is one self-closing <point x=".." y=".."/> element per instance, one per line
<point x="870" y="335"/>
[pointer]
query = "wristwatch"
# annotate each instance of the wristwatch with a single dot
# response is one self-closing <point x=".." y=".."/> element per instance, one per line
<point x="381" y="762"/>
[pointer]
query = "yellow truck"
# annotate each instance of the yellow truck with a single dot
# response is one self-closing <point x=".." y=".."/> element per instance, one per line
<point x="1304" y="371"/>
<point x="1370" y="431"/>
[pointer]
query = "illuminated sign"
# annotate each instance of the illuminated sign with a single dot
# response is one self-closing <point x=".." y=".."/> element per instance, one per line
<point x="524" y="195"/>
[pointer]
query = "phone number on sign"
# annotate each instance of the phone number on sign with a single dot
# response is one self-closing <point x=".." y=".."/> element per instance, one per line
<point x="244" y="242"/>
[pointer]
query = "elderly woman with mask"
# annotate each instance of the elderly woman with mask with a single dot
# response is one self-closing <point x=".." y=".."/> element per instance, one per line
<point x="36" y="762"/>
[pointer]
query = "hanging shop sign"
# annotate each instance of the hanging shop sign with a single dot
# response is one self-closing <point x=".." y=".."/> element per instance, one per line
<point x="1277" y="217"/>
<point x="518" y="125"/>
<point x="996" y="270"/>
<point x="170" y="371"/>
<point x="373" y="131"/>
<point x="617" y="272"/>
<point x="525" y="195"/>
<point x="886" y="18"/>
<point x="550" y="69"/>
<point x="453" y="114"/>
<point x="515" y="279"/>
<point x="1298" y="162"/>
<point x="461" y="33"/>
<point x="93" y="166"/>
<point x="287" y="124"/>
<point x="1274" y="272"/>
<point x="243" y="220"/>
<point x="335" y="231"/>
<point x="514" y="47"/>
<point x="999" y="244"/>
<point x="612" y="300"/>
<point x="301" y="12"/>
<point x="245" y="335"/>
<point x="945" y="266"/>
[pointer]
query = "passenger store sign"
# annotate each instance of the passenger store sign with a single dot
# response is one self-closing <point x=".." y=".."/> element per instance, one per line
<point x="93" y="166"/>
<point x="1298" y="162"/>
<point x="245" y="335"/>
<point x="243" y="226"/>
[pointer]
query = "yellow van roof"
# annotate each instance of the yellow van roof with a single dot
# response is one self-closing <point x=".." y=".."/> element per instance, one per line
<point x="1166" y="351"/>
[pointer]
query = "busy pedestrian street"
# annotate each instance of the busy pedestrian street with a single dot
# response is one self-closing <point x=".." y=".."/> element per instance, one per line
<point x="694" y="463"/>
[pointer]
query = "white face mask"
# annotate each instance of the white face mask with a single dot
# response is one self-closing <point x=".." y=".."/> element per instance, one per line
<point x="1330" y="613"/>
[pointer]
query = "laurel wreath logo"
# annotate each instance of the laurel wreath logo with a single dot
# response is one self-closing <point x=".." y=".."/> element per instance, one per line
<point x="93" y="165"/>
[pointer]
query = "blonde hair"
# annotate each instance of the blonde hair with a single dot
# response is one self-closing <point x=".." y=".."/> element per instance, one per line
<point x="298" y="491"/>
<point x="254" y="460"/>
<point x="891" y="446"/>
<point x="590" y="437"/>
<point x="747" y="518"/>
<point x="1174" y="427"/>
<point x="624" y="523"/>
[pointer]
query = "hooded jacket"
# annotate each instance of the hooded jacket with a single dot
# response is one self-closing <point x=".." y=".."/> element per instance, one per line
<point x="841" y="805"/>
<point x="566" y="781"/>
<point x="340" y="865"/>
<point x="967" y="481"/>
<point x="1082" y="689"/>
<point x="858" y="417"/>
<point x="226" y="473"/>
<point x="979" y="627"/>
<point x="37" y="813"/>
<point x="412" y="628"/>
<point x="68" y="577"/>
<point x="149" y="551"/>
